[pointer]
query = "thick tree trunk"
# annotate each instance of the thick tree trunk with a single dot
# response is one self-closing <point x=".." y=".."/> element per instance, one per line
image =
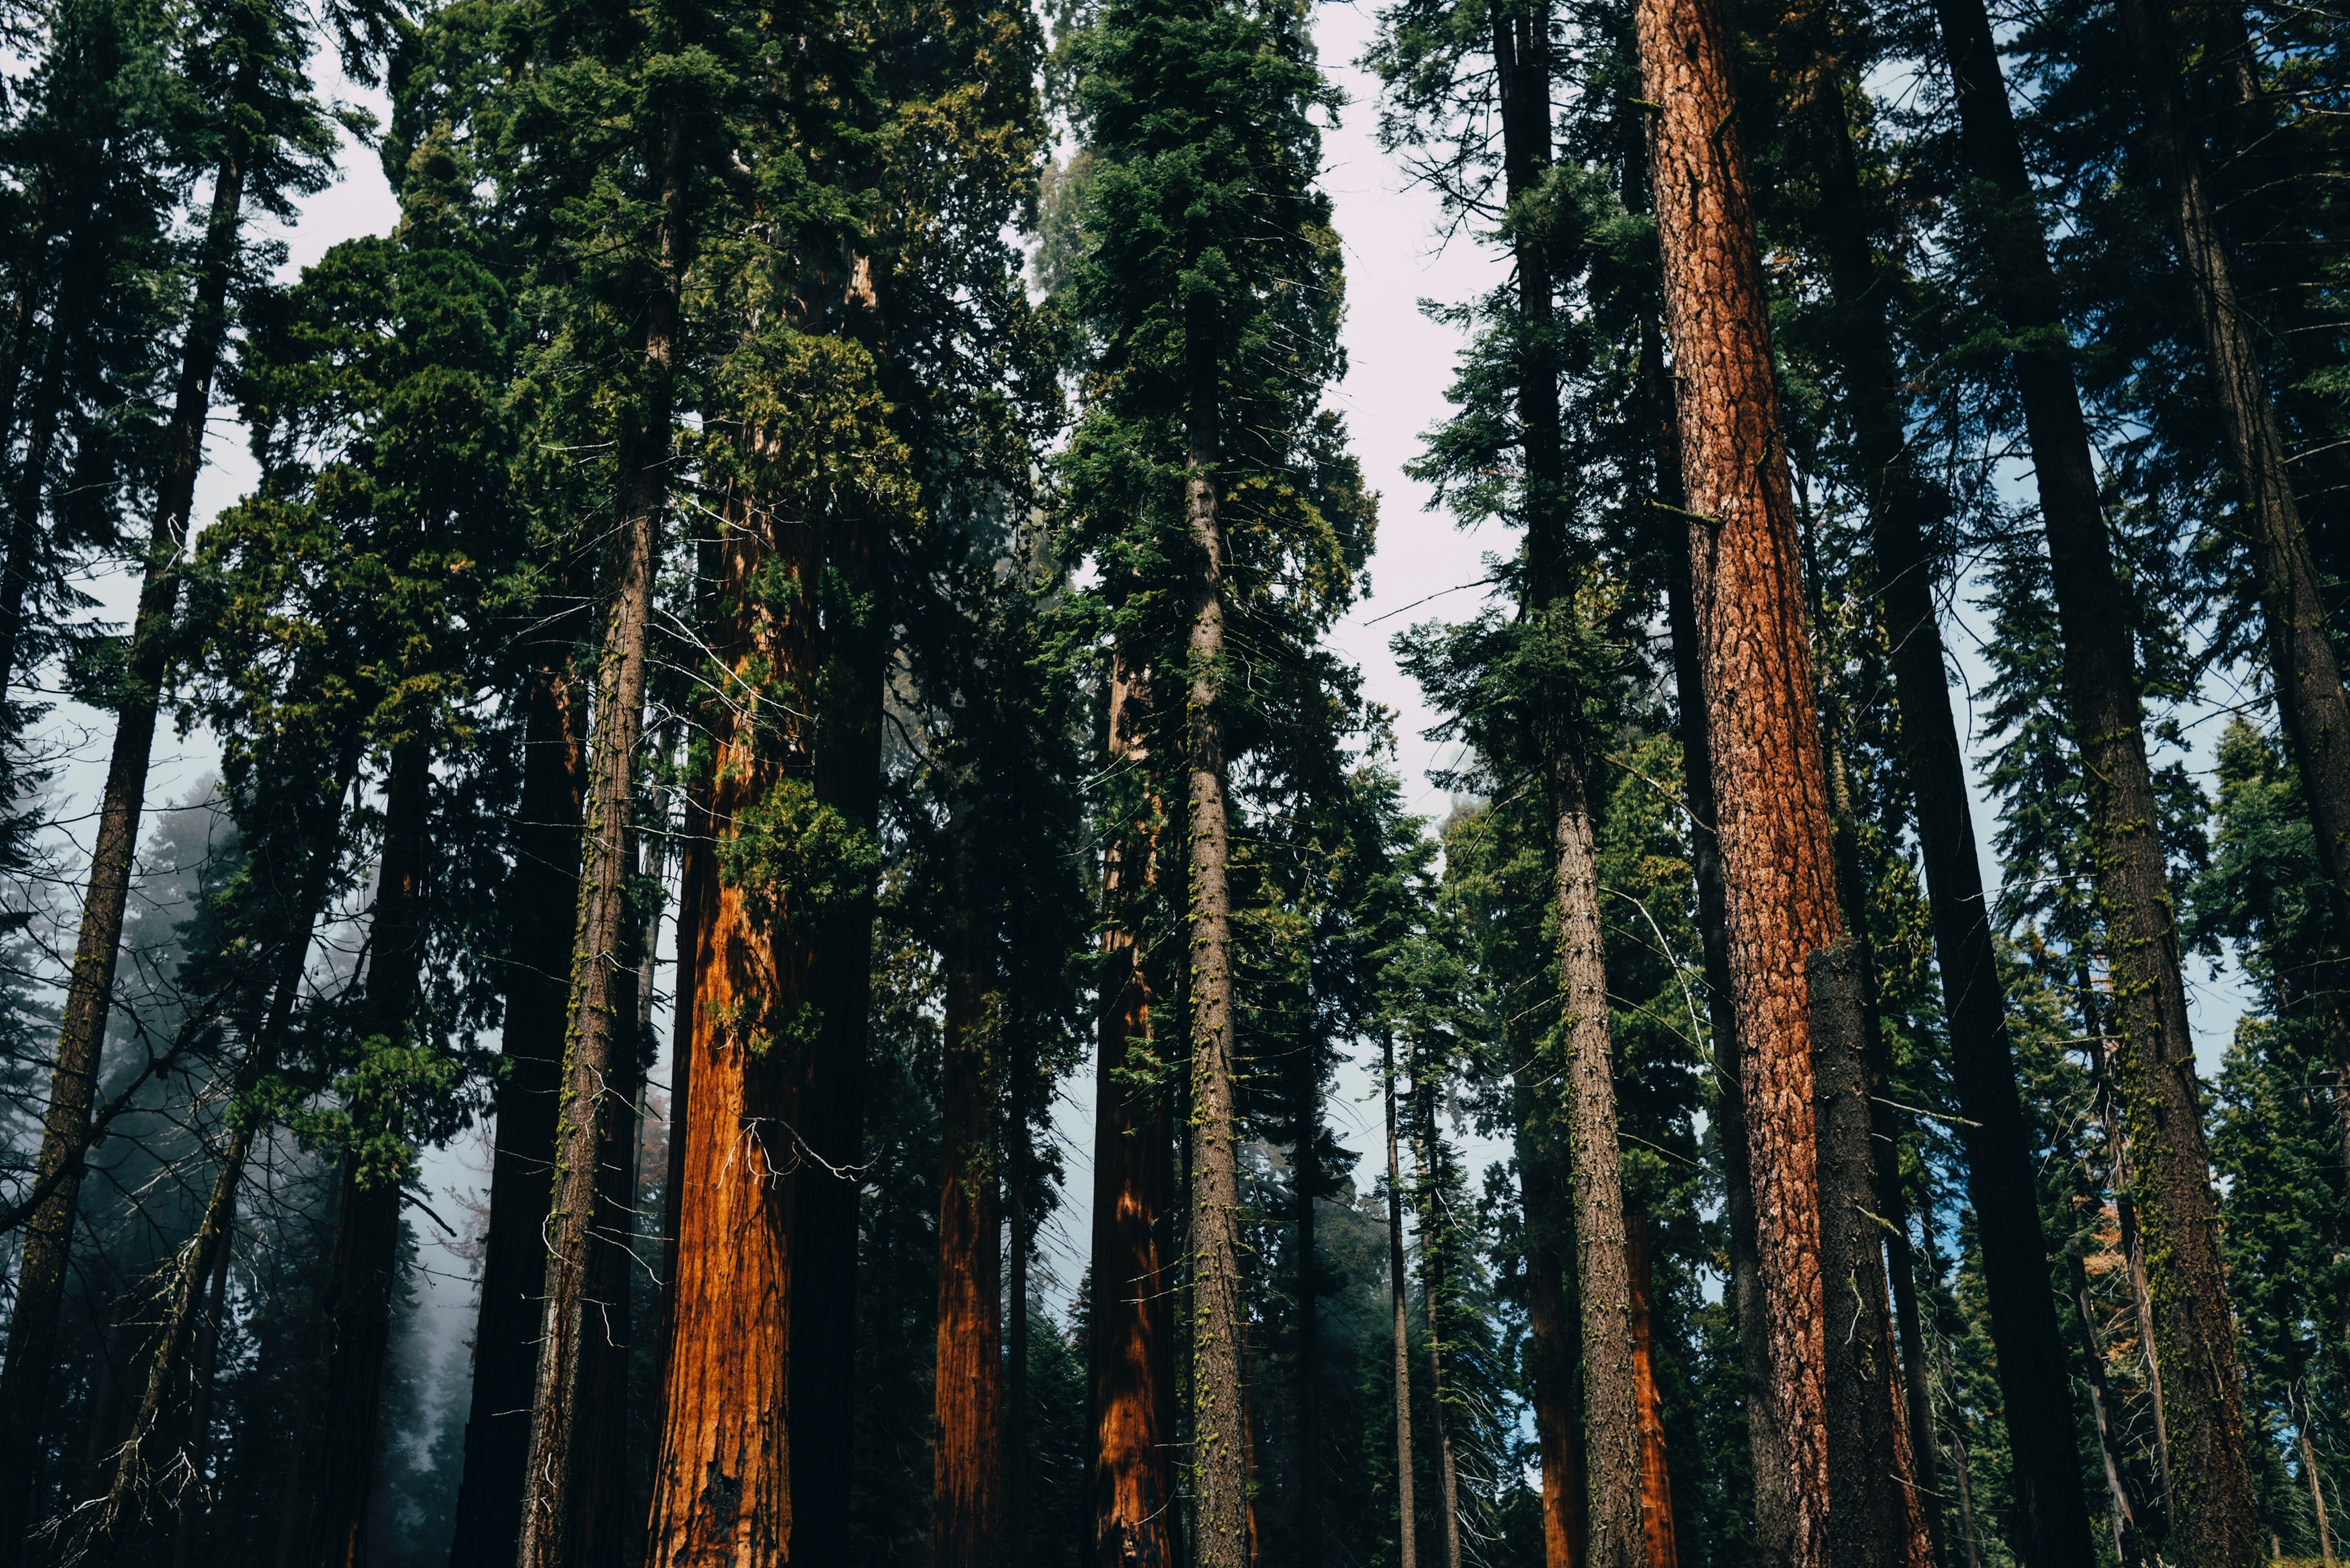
<point x="1611" y="1401"/>
<point x="1130" y="1392"/>
<point x="1766" y="1445"/>
<point x="1780" y="900"/>
<point x="1656" y="1478"/>
<point x="2123" y="1515"/>
<point x="2053" y="1523"/>
<point x="514" y="1262"/>
<point x="1873" y="1499"/>
<point x="1219" y="1433"/>
<point x="967" y="1460"/>
<point x="1406" y="1515"/>
<point x="722" y="1483"/>
<point x="595" y="1102"/>
<point x="2195" y="1333"/>
<point x="89" y="992"/>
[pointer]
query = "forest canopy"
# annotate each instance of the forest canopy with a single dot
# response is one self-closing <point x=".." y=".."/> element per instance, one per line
<point x="699" y="864"/>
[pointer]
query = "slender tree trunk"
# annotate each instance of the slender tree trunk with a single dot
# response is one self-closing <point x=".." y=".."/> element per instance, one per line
<point x="188" y="1526"/>
<point x="2132" y="1253"/>
<point x="1406" y="1515"/>
<point x="505" y="1333"/>
<point x="1130" y="1391"/>
<point x="1219" y="1435"/>
<point x="597" y="1041"/>
<point x="1655" y="1479"/>
<point x="1773" y="825"/>
<point x="48" y="1238"/>
<point x="1305" y="1174"/>
<point x="2311" y="1476"/>
<point x="967" y="1460"/>
<point x="2052" y="1521"/>
<point x="2109" y="1442"/>
<point x="367" y="1236"/>
<point x="1874" y="1503"/>
<point x="1434" y="1290"/>
<point x="1611" y="1400"/>
<point x="2194" y="1334"/>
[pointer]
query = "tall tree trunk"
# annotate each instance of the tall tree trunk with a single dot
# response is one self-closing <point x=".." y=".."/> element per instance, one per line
<point x="1406" y="1515"/>
<point x="1130" y="1390"/>
<point x="1611" y="1400"/>
<point x="1656" y="1478"/>
<point x="2053" y="1520"/>
<point x="1772" y="825"/>
<point x="367" y="1235"/>
<point x="2109" y="1099"/>
<point x="2304" y="664"/>
<point x="1873" y="1500"/>
<point x="2195" y="1335"/>
<point x="595" y="1096"/>
<point x="1305" y="1175"/>
<point x="2311" y="1476"/>
<point x="1434" y="1290"/>
<point x="1219" y="1434"/>
<point x="1766" y="1445"/>
<point x="2109" y="1441"/>
<point x="722" y="1483"/>
<point x="967" y="1460"/>
<point x="89" y="992"/>
<point x="514" y="1261"/>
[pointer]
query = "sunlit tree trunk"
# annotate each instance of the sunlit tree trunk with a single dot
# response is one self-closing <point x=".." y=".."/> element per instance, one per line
<point x="1773" y="825"/>
<point x="1131" y="1321"/>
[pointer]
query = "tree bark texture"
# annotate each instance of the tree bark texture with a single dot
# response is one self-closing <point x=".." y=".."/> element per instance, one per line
<point x="1611" y="1399"/>
<point x="1130" y="1383"/>
<point x="967" y="1460"/>
<point x="1873" y="1498"/>
<point x="1406" y="1515"/>
<point x="1656" y="1476"/>
<point x="1219" y="1432"/>
<point x="522" y="1165"/>
<point x="595" y="1106"/>
<point x="1772" y="825"/>
<point x="2178" y="1213"/>
<point x="26" y="1375"/>
<point x="2053" y="1520"/>
<point x="1766" y="1444"/>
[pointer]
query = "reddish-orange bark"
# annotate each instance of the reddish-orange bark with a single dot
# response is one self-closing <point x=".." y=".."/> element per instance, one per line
<point x="1656" y="1482"/>
<point x="967" y="1462"/>
<point x="1772" y="815"/>
<point x="1130" y="1359"/>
